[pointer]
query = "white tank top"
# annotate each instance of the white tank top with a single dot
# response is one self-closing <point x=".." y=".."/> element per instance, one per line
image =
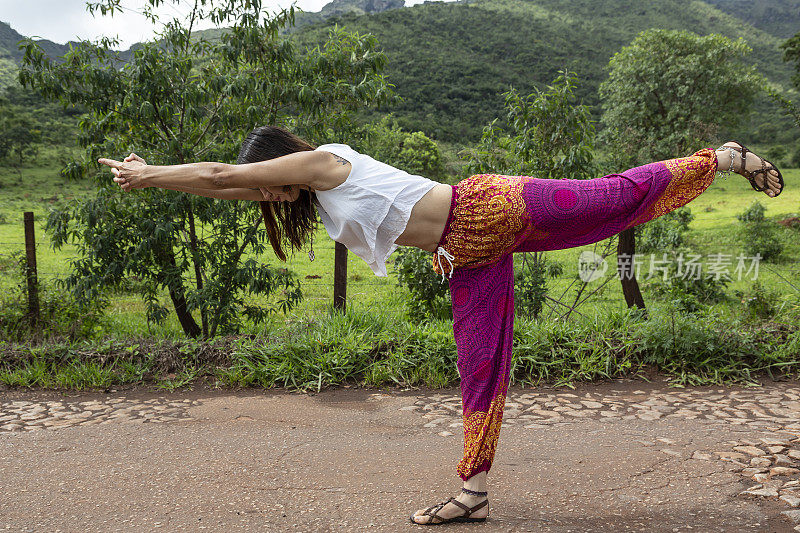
<point x="370" y="210"/>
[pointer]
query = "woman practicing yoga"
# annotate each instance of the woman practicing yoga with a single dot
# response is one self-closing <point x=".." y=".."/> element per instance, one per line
<point x="473" y="228"/>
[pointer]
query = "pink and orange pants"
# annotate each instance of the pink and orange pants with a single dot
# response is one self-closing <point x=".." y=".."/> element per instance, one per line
<point x="494" y="216"/>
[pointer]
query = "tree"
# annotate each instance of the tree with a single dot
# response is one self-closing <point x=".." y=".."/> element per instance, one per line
<point x="666" y="94"/>
<point x="413" y="152"/>
<point x="791" y="54"/>
<point x="19" y="132"/>
<point x="179" y="99"/>
<point x="550" y="136"/>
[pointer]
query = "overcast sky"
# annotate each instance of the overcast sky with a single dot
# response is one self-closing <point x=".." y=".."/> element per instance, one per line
<point x="64" y="20"/>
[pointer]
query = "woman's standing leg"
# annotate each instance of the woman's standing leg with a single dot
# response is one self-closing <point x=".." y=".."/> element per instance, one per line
<point x="483" y="326"/>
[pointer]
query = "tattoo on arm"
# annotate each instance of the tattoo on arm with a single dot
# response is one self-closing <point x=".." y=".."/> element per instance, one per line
<point x="341" y="160"/>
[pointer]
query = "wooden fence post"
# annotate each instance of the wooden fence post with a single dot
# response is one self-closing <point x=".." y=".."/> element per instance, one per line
<point x="340" y="276"/>
<point x="30" y="270"/>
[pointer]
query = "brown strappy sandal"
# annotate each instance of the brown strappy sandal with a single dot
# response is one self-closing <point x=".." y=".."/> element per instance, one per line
<point x="466" y="517"/>
<point x="766" y="166"/>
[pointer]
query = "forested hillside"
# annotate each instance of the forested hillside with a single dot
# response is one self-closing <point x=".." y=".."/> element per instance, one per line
<point x="777" y="17"/>
<point x="451" y="61"/>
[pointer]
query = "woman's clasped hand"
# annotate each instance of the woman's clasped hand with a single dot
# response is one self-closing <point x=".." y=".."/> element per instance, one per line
<point x="128" y="173"/>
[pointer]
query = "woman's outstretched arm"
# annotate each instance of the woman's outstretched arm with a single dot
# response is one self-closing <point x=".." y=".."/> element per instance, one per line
<point x="316" y="169"/>
<point x="223" y="194"/>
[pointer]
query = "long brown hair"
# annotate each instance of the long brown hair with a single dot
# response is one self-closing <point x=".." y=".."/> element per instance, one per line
<point x="289" y="223"/>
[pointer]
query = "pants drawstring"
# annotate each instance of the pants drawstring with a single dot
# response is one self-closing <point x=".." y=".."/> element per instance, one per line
<point x="442" y="252"/>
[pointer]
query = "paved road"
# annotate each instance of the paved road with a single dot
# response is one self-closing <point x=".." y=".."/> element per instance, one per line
<point x="617" y="456"/>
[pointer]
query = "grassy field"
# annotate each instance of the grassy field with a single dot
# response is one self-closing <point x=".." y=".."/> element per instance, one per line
<point x="38" y="189"/>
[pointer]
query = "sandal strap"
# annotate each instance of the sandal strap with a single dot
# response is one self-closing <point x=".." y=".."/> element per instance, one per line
<point x="432" y="511"/>
<point x="481" y="505"/>
<point x="466" y="509"/>
<point x="751" y="174"/>
<point x="469" y="510"/>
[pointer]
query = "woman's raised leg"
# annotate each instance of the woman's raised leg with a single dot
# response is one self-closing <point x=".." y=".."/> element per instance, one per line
<point x="568" y="213"/>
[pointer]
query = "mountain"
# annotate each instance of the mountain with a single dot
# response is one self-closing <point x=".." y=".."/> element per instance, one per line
<point x="9" y="48"/>
<point x="11" y="55"/>
<point x="451" y="62"/>
<point x="777" y="17"/>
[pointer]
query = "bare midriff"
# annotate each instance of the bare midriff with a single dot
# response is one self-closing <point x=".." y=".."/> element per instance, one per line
<point x="428" y="218"/>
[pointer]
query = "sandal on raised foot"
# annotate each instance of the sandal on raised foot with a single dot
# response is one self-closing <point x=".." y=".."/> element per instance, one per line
<point x="466" y="517"/>
<point x="766" y="166"/>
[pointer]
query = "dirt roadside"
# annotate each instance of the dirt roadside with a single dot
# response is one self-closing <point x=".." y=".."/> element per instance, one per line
<point x="616" y="456"/>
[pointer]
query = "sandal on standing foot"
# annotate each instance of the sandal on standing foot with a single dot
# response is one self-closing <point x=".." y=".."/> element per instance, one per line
<point x="766" y="166"/>
<point x="466" y="517"/>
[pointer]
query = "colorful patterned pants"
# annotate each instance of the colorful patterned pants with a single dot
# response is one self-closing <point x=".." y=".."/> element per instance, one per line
<point x="493" y="216"/>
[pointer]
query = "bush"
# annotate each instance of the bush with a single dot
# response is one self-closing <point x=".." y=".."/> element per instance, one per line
<point x="530" y="284"/>
<point x="696" y="352"/>
<point x="754" y="213"/>
<point x="430" y="297"/>
<point x="690" y="293"/>
<point x="759" y="302"/>
<point x="413" y="152"/>
<point x="758" y="235"/>
<point x="664" y="233"/>
<point x="60" y="316"/>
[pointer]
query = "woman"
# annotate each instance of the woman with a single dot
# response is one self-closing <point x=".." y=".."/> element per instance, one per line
<point x="473" y="228"/>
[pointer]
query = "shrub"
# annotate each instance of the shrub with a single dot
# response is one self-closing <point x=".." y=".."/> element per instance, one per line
<point x="530" y="284"/>
<point x="754" y="213"/>
<point x="61" y="316"/>
<point x="664" y="233"/>
<point x="758" y="235"/>
<point x="690" y="293"/>
<point x="696" y="352"/>
<point x="430" y="297"/>
<point x="759" y="302"/>
<point x="413" y="152"/>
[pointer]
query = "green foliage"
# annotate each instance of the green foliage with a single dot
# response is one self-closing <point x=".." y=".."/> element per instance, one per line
<point x="754" y="213"/>
<point x="791" y="54"/>
<point x="664" y="233"/>
<point x="429" y="293"/>
<point x="452" y="61"/>
<point x="19" y="135"/>
<point x="761" y="238"/>
<point x="759" y="302"/>
<point x="61" y="315"/>
<point x="373" y="348"/>
<point x="702" y="351"/>
<point x="775" y="17"/>
<point x="181" y="99"/>
<point x="530" y="283"/>
<point x="758" y="235"/>
<point x="413" y="152"/>
<point x="686" y="288"/>
<point x="668" y="92"/>
<point x="550" y="136"/>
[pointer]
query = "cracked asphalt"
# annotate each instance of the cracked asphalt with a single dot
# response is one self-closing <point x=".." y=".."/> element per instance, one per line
<point x="615" y="456"/>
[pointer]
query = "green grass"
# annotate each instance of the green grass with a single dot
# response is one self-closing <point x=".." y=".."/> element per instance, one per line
<point x="374" y="349"/>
